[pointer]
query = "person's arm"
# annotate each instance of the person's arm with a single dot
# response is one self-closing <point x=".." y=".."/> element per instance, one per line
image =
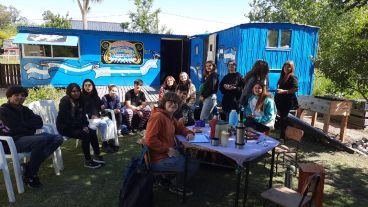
<point x="192" y="94"/>
<point x="143" y="99"/>
<point x="181" y="129"/>
<point x="191" y="120"/>
<point x="31" y="120"/>
<point x="153" y="131"/>
<point x="248" y="110"/>
<point x="222" y="85"/>
<point x="210" y="85"/>
<point x="246" y="91"/>
<point x="118" y="103"/>
<point x="105" y="103"/>
<point x="161" y="93"/>
<point x="128" y="102"/>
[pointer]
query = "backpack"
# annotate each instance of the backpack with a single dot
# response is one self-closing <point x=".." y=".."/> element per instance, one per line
<point x="137" y="188"/>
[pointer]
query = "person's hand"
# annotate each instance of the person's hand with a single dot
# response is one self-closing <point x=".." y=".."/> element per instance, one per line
<point x="181" y="121"/>
<point x="281" y="91"/>
<point x="173" y="152"/>
<point x="140" y="114"/>
<point x="85" y="129"/>
<point x="116" y="111"/>
<point x="103" y="107"/>
<point x="201" y="98"/>
<point x="190" y="136"/>
<point x="94" y="117"/>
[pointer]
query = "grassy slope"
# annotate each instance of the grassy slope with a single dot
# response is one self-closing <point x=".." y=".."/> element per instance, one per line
<point x="346" y="183"/>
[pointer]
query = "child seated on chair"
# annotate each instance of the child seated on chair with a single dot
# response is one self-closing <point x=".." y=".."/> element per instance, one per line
<point x="261" y="109"/>
<point x="93" y="105"/>
<point x="21" y="124"/>
<point x="136" y="107"/>
<point x="162" y="144"/>
<point x="184" y="114"/>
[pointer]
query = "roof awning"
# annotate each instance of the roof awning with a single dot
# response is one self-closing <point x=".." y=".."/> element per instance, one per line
<point x="45" y="39"/>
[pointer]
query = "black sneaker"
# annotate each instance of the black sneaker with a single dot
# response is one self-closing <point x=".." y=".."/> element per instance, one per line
<point x="107" y="148"/>
<point x="179" y="191"/>
<point x="33" y="181"/>
<point x="113" y="146"/>
<point x="99" y="159"/>
<point x="92" y="164"/>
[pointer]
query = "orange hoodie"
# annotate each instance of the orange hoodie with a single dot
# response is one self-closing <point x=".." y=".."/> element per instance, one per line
<point x="160" y="134"/>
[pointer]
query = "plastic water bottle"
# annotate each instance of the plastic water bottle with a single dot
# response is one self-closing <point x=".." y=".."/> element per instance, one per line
<point x="233" y="118"/>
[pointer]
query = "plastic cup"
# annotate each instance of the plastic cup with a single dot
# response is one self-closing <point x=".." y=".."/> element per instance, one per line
<point x="224" y="138"/>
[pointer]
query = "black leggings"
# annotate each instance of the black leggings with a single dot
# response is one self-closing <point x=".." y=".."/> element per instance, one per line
<point x="87" y="139"/>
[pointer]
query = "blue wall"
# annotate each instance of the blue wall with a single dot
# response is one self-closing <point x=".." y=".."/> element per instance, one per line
<point x="61" y="72"/>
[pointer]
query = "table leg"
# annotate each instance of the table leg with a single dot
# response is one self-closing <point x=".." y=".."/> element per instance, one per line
<point x="271" y="170"/>
<point x="344" y="123"/>
<point x="185" y="175"/>
<point x="238" y="171"/>
<point x="314" y="118"/>
<point x="245" y="198"/>
<point x="326" y="123"/>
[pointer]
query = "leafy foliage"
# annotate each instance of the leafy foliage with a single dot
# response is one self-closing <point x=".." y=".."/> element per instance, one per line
<point x="56" y="20"/>
<point x="145" y="20"/>
<point x="343" y="46"/>
<point x="45" y="93"/>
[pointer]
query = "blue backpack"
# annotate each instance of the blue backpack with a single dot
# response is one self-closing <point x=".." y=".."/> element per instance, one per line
<point x="137" y="188"/>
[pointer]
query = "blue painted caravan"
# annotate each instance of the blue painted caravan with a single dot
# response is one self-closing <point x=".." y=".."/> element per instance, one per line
<point x="61" y="56"/>
<point x="272" y="42"/>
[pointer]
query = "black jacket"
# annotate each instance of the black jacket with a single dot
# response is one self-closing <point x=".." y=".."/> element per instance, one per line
<point x="91" y="104"/>
<point x="20" y="120"/>
<point x="185" y="109"/>
<point x="69" y="117"/>
<point x="210" y="85"/>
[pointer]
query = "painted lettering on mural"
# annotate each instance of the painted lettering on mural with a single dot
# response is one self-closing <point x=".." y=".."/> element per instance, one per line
<point x="121" y="52"/>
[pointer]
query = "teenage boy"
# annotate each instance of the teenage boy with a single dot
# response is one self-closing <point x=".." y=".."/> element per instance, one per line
<point x="184" y="114"/>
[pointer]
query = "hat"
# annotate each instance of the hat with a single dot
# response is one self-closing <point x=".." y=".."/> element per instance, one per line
<point x="15" y="90"/>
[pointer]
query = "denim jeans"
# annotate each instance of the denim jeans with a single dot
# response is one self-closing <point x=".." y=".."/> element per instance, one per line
<point x="41" y="147"/>
<point x="177" y="164"/>
<point x="208" y="104"/>
<point x="105" y="126"/>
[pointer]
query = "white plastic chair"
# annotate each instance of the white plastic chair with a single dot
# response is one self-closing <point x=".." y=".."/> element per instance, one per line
<point x="17" y="156"/>
<point x="47" y="110"/>
<point x="4" y="168"/>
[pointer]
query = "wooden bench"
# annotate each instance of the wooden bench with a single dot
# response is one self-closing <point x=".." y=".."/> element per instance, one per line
<point x="151" y="92"/>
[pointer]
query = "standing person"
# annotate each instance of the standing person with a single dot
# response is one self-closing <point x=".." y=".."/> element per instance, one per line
<point x="261" y="107"/>
<point x="112" y="101"/>
<point x="93" y="105"/>
<point x="231" y="86"/>
<point x="209" y="90"/>
<point x="21" y="124"/>
<point x="72" y="122"/>
<point x="191" y="97"/>
<point x="259" y="72"/>
<point x="285" y="96"/>
<point x="184" y="114"/>
<point x="168" y="85"/>
<point x="163" y="147"/>
<point x="135" y="106"/>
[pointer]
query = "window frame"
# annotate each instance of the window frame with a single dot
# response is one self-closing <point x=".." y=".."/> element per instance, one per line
<point x="52" y="53"/>
<point x="279" y="36"/>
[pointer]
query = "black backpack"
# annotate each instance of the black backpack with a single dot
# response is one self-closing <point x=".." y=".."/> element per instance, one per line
<point x="137" y="188"/>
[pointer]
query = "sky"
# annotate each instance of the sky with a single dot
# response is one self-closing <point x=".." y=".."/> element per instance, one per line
<point x="186" y="17"/>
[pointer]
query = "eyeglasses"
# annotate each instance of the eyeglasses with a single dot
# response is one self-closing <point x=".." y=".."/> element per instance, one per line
<point x="170" y="102"/>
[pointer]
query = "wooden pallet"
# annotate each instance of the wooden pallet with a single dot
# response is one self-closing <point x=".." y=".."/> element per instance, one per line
<point x="150" y="92"/>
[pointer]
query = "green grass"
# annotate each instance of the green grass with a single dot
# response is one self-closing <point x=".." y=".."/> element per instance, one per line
<point x="346" y="180"/>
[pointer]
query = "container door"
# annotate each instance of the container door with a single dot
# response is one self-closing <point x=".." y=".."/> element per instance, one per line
<point x="197" y="60"/>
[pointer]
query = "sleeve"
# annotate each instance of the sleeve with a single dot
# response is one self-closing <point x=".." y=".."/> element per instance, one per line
<point x="118" y="103"/>
<point x="64" y="114"/>
<point x="32" y="121"/>
<point x="269" y="112"/>
<point x="222" y="83"/>
<point x="143" y="97"/>
<point x="192" y="94"/>
<point x="152" y="137"/>
<point x="294" y="82"/>
<point x="127" y="96"/>
<point x="246" y="91"/>
<point x="104" y="101"/>
<point x="248" y="110"/>
<point x="210" y="85"/>
<point x="181" y="129"/>
<point x="240" y="84"/>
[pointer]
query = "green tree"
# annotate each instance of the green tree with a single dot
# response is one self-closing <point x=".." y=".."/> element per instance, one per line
<point x="343" y="42"/>
<point x="84" y="8"/>
<point x="124" y="26"/>
<point x="56" y="20"/>
<point x="9" y="16"/>
<point x="145" y="20"/>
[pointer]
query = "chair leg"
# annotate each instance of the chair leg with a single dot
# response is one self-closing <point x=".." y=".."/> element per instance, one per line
<point x="8" y="184"/>
<point x="76" y="143"/>
<point x="55" y="163"/>
<point x="60" y="158"/>
<point x="18" y="174"/>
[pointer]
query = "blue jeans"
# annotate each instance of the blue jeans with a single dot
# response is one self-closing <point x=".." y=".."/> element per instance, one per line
<point x="177" y="164"/>
<point x="208" y="104"/>
<point x="41" y="147"/>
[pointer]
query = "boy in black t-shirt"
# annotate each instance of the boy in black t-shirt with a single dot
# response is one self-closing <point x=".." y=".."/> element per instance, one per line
<point x="135" y="106"/>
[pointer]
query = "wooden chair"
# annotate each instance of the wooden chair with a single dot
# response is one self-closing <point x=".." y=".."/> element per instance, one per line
<point x="291" y="134"/>
<point x="287" y="197"/>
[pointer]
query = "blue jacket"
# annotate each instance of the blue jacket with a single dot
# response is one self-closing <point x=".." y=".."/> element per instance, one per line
<point x="110" y="102"/>
<point x="269" y="110"/>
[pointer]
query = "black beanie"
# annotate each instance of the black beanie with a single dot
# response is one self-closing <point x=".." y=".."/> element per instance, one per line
<point x="16" y="90"/>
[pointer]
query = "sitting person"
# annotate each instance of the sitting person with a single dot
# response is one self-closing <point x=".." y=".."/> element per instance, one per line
<point x="184" y="114"/>
<point x="191" y="97"/>
<point x="168" y="85"/>
<point x="21" y="123"/>
<point x="112" y="101"/>
<point x="72" y="122"/>
<point x="92" y="106"/>
<point x="135" y="106"/>
<point x="261" y="109"/>
<point x="163" y="147"/>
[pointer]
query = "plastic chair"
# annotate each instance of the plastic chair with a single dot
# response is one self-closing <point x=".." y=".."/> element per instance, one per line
<point x="291" y="134"/>
<point x="4" y="168"/>
<point x="287" y="197"/>
<point x="17" y="156"/>
<point x="47" y="110"/>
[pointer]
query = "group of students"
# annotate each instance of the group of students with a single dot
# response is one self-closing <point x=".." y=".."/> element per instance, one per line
<point x="249" y="92"/>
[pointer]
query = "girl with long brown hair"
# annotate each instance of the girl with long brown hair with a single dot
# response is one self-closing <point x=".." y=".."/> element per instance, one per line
<point x="209" y="90"/>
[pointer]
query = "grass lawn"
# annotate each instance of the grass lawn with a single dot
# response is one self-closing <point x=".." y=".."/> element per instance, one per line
<point x="346" y="180"/>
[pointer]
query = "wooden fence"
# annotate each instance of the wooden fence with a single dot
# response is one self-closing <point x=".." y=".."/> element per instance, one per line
<point x="9" y="75"/>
